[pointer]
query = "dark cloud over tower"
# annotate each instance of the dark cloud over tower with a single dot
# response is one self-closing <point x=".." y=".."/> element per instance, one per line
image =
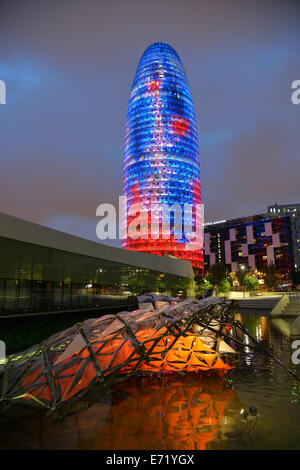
<point x="69" y="66"/>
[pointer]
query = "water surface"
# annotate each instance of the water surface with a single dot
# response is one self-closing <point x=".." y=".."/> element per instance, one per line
<point x="184" y="412"/>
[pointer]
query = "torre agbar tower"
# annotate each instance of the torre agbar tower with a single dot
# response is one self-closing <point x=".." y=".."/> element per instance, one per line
<point x="161" y="160"/>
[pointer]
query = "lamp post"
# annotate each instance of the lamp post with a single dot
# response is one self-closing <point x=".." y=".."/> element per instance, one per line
<point x="243" y="270"/>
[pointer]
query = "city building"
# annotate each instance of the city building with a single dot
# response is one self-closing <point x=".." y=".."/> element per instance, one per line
<point x="256" y="241"/>
<point x="283" y="209"/>
<point x="161" y="159"/>
<point x="293" y="210"/>
<point x="44" y="270"/>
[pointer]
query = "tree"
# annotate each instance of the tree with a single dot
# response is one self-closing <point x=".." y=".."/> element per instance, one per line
<point x="216" y="273"/>
<point x="241" y="273"/>
<point x="181" y="284"/>
<point x="136" y="285"/>
<point x="271" y="275"/>
<point x="202" y="285"/>
<point x="224" y="286"/>
<point x="251" y="283"/>
<point x="198" y="279"/>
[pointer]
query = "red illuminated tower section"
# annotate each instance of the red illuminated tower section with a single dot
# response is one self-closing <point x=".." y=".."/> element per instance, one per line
<point x="161" y="158"/>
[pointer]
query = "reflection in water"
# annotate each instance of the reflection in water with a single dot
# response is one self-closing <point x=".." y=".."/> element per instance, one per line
<point x="264" y="328"/>
<point x="178" y="413"/>
<point x="258" y="328"/>
<point x="199" y="411"/>
<point x="283" y="325"/>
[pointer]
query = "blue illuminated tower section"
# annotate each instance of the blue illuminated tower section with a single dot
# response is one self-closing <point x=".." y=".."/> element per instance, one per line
<point x="161" y="160"/>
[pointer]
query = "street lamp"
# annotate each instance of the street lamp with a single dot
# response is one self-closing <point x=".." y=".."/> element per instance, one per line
<point x="243" y="268"/>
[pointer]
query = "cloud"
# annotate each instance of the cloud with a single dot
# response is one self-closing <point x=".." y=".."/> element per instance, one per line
<point x="69" y="67"/>
<point x="57" y="186"/>
<point x="261" y="167"/>
<point x="84" y="227"/>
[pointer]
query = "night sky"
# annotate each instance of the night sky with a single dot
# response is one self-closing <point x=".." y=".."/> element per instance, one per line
<point x="69" y="67"/>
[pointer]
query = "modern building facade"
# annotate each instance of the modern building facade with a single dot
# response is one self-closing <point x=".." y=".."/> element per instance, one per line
<point x="295" y="230"/>
<point x="283" y="209"/>
<point x="44" y="270"/>
<point x="161" y="159"/>
<point x="256" y="241"/>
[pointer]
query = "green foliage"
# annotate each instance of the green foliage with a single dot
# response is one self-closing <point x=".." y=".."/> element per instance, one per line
<point x="198" y="279"/>
<point x="161" y="285"/>
<point x="224" y="286"/>
<point x="251" y="283"/>
<point x="241" y="273"/>
<point x="202" y="285"/>
<point x="181" y="284"/>
<point x="216" y="273"/>
<point x="136" y="285"/>
<point x="271" y="275"/>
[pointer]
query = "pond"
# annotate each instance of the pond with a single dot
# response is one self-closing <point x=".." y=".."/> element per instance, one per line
<point x="184" y="412"/>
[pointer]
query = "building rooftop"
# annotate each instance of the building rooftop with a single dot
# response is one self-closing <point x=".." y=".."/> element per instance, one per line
<point x="21" y="230"/>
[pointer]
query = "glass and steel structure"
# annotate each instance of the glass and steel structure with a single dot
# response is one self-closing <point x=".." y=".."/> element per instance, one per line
<point x="50" y="279"/>
<point x="161" y="160"/>
<point x="37" y="279"/>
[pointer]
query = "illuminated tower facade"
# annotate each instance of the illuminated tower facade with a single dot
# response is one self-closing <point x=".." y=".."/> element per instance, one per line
<point x="161" y="160"/>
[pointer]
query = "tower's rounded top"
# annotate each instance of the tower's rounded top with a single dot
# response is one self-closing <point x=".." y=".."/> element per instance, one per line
<point x="159" y="55"/>
<point x="160" y="47"/>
